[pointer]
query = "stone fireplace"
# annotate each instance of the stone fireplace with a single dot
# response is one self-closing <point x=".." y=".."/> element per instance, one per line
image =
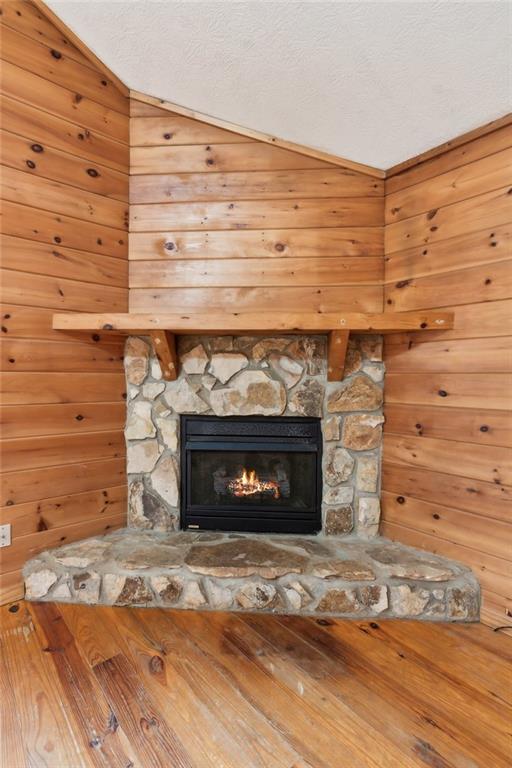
<point x="193" y="451"/>
<point x="259" y="378"/>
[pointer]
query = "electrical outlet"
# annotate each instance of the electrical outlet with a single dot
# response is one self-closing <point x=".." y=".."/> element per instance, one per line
<point x="5" y="535"/>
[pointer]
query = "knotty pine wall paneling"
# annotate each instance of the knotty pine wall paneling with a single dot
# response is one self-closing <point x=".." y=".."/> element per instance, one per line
<point x="221" y="220"/>
<point x="65" y="159"/>
<point x="447" y="475"/>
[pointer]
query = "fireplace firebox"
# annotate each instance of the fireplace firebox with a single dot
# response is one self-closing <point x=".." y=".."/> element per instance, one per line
<point x="259" y="474"/>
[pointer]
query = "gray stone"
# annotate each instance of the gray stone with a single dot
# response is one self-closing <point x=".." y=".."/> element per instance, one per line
<point x="312" y="351"/>
<point x="371" y="347"/>
<point x="339" y="465"/>
<point x="355" y="394"/>
<point x="142" y="457"/>
<point x="374" y="597"/>
<point x="193" y="596"/>
<point x="220" y="597"/>
<point x="287" y="369"/>
<point x="307" y="398"/>
<point x="146" y="511"/>
<point x="249" y="393"/>
<point x="224" y="365"/>
<point x="168" y="588"/>
<point x="86" y="587"/>
<point x="153" y="389"/>
<point x="331" y="427"/>
<point x="136" y="360"/>
<point x="348" y="570"/>
<point x="81" y="554"/>
<point x="339" y="601"/>
<point x="180" y="396"/>
<point x="195" y="361"/>
<point x="208" y="381"/>
<point x="242" y="558"/>
<point x="169" y="432"/>
<point x="164" y="480"/>
<point x="139" y="424"/>
<point x="341" y="494"/>
<point x="135" y="592"/>
<point x="463" y="603"/>
<point x="368" y="516"/>
<point x="362" y="431"/>
<point x="374" y="370"/>
<point x="262" y="347"/>
<point x="38" y="583"/>
<point x="257" y="595"/>
<point x="338" y="520"/>
<point x="408" y="601"/>
<point x="61" y="592"/>
<point x="132" y="392"/>
<point x="155" y="370"/>
<point x="367" y="473"/>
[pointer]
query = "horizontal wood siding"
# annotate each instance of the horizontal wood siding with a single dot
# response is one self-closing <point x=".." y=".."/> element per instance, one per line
<point x="217" y="220"/>
<point x="447" y="476"/>
<point x="65" y="171"/>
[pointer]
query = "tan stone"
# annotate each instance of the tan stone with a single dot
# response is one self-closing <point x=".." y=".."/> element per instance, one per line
<point x="348" y="570"/>
<point x="338" y="520"/>
<point x="113" y="584"/>
<point x="353" y="358"/>
<point x="463" y="603"/>
<point x="87" y="587"/>
<point x="341" y="494"/>
<point x="244" y="557"/>
<point x="155" y="370"/>
<point x="312" y="350"/>
<point x="153" y="389"/>
<point x="362" y="431"/>
<point x="182" y="397"/>
<point x="221" y="344"/>
<point x="336" y="601"/>
<point x="136" y="360"/>
<point x="264" y="346"/>
<point x="38" y="583"/>
<point x="375" y="371"/>
<point x="408" y="601"/>
<point x="374" y="597"/>
<point x="208" y="381"/>
<point x="146" y="511"/>
<point x="153" y="554"/>
<point x="81" y="554"/>
<point x="135" y="592"/>
<point x="193" y="596"/>
<point x="169" y="432"/>
<point x="371" y="347"/>
<point x="297" y="596"/>
<point x="287" y="369"/>
<point x="219" y="596"/>
<point x="331" y="427"/>
<point x="367" y="473"/>
<point x="257" y="595"/>
<point x="142" y="457"/>
<point x="224" y="365"/>
<point x="338" y="465"/>
<point x="249" y="393"/>
<point x="368" y="516"/>
<point x="168" y="588"/>
<point x="413" y="565"/>
<point x="139" y="424"/>
<point x="307" y="399"/>
<point x="195" y="361"/>
<point x="61" y="592"/>
<point x="355" y="394"/>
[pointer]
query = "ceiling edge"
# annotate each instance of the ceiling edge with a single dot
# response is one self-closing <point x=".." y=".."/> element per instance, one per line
<point x="318" y="154"/>
<point x="82" y="47"/>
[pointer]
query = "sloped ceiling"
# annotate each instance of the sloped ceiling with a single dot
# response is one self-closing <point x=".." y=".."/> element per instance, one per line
<point x="375" y="82"/>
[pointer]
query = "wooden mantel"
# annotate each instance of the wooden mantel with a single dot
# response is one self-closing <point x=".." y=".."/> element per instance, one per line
<point x="163" y="327"/>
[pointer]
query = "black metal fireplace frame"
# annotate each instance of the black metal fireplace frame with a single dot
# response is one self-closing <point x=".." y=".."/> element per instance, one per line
<point x="233" y="433"/>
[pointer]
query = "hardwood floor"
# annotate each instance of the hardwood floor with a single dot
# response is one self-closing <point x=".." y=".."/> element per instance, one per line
<point x="93" y="686"/>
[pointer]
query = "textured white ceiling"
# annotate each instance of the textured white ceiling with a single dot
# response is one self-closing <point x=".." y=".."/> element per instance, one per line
<point x="375" y="82"/>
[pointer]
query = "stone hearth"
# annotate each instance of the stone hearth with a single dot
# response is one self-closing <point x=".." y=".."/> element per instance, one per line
<point x="321" y="576"/>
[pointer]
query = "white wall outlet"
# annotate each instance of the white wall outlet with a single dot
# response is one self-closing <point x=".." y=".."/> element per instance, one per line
<point x="5" y="535"/>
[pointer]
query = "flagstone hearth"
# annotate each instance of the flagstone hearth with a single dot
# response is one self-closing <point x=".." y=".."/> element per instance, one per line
<point x="321" y="576"/>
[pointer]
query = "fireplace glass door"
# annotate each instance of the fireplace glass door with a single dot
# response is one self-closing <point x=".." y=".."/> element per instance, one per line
<point x="251" y="474"/>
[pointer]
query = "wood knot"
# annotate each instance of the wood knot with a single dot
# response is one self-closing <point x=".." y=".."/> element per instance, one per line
<point x="92" y="172"/>
<point x="484" y="428"/>
<point x="168" y="136"/>
<point x="402" y="283"/>
<point x="431" y="214"/>
<point x="56" y="54"/>
<point x="280" y="247"/>
<point x="400" y="500"/>
<point x="30" y="164"/>
<point x="36" y="148"/>
<point x="442" y="393"/>
<point x="169" y="246"/>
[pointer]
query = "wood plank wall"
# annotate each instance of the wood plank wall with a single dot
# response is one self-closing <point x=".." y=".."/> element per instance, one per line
<point x="220" y="220"/>
<point x="65" y="162"/>
<point x="447" y="476"/>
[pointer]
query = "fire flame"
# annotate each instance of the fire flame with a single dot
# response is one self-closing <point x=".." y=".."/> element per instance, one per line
<point x="248" y="483"/>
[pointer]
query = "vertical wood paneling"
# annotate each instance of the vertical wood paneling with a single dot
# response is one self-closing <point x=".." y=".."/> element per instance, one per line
<point x="446" y="478"/>
<point x="64" y="191"/>
<point x="218" y="219"/>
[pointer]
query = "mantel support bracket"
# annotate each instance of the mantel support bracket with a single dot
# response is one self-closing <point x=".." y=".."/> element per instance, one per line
<point x="337" y="350"/>
<point x="164" y="344"/>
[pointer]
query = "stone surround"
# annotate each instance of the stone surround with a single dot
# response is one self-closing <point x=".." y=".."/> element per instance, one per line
<point x="320" y="576"/>
<point x="274" y="376"/>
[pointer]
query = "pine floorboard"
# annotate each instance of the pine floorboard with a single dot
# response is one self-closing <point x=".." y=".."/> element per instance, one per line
<point x="146" y="688"/>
